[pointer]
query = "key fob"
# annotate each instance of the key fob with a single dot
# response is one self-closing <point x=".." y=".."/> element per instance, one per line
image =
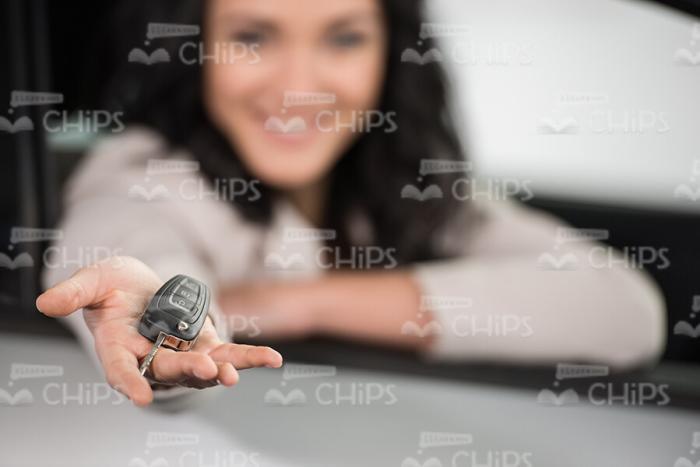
<point x="178" y="310"/>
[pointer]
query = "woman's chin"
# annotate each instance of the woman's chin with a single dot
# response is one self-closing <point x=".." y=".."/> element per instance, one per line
<point x="290" y="179"/>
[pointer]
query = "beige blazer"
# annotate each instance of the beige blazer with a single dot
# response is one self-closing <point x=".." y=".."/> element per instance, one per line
<point x="551" y="301"/>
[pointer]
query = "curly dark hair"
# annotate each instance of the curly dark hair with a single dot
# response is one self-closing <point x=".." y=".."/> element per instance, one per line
<point x="367" y="179"/>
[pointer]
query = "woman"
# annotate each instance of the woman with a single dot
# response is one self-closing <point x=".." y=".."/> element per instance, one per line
<point x="301" y="116"/>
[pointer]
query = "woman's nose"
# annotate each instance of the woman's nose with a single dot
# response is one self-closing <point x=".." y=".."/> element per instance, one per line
<point x="299" y="70"/>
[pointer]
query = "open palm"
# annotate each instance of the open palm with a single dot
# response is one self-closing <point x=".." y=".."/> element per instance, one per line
<point x="114" y="294"/>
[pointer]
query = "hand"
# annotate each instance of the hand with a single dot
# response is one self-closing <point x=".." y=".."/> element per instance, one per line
<point x="113" y="294"/>
<point x="275" y="310"/>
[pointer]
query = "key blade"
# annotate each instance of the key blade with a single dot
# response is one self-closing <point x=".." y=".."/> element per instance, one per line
<point x="152" y="354"/>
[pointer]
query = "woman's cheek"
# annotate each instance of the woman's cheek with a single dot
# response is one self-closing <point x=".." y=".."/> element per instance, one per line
<point x="234" y="81"/>
<point x="359" y="81"/>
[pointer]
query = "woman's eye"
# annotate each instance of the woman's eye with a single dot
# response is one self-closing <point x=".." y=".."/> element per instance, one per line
<point x="347" y="40"/>
<point x="249" y="37"/>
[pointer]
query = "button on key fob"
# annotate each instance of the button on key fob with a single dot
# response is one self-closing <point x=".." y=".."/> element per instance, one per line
<point x="175" y="316"/>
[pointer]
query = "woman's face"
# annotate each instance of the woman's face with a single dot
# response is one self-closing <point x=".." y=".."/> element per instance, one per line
<point x="267" y="55"/>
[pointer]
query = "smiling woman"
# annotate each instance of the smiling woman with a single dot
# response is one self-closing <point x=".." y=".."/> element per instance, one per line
<point x="276" y="161"/>
<point x="253" y="54"/>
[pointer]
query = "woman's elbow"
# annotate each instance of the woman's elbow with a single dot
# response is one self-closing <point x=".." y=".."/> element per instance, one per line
<point x="637" y="318"/>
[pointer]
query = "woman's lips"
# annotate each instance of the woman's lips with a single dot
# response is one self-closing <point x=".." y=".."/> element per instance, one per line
<point x="293" y="130"/>
<point x="293" y="125"/>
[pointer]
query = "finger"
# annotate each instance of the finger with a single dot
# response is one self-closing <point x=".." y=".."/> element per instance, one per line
<point x="228" y="376"/>
<point x="121" y="371"/>
<point x="91" y="284"/>
<point x="247" y="356"/>
<point x="169" y="366"/>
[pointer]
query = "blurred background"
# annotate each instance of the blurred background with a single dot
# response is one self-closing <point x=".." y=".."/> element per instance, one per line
<point x="593" y="104"/>
<point x="613" y="85"/>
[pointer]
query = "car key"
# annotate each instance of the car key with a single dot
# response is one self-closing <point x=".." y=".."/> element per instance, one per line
<point x="175" y="316"/>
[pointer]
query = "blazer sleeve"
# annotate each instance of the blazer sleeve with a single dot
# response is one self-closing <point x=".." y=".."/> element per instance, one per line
<point x="528" y="297"/>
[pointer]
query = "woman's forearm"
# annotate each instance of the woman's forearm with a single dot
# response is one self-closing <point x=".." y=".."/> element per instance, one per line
<point x="370" y="307"/>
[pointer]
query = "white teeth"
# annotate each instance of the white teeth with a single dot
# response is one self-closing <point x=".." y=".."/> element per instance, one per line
<point x="293" y="125"/>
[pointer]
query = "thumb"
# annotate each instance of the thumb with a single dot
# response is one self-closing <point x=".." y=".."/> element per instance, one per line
<point x="68" y="296"/>
<point x="82" y="289"/>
